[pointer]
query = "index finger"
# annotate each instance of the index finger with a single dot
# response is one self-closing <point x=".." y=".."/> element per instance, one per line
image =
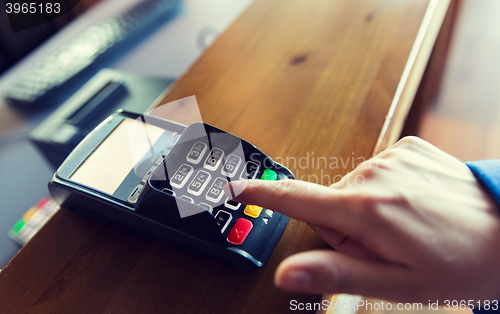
<point x="309" y="202"/>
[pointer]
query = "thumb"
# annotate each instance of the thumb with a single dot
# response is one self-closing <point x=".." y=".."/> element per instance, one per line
<point x="317" y="272"/>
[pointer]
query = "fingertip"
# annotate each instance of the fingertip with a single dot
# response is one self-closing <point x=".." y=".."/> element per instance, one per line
<point x="295" y="280"/>
<point x="234" y="188"/>
<point x="228" y="187"/>
<point x="246" y="191"/>
<point x="302" y="273"/>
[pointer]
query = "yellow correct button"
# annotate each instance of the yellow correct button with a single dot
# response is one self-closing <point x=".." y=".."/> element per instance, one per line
<point x="253" y="210"/>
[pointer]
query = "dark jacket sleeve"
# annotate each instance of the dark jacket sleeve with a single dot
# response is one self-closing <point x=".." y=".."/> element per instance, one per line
<point x="488" y="173"/>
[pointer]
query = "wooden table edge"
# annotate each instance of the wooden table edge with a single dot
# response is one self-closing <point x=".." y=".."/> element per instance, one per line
<point x="412" y="74"/>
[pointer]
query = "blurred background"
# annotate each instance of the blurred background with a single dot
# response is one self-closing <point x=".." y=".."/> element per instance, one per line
<point x="464" y="117"/>
<point x="14" y="46"/>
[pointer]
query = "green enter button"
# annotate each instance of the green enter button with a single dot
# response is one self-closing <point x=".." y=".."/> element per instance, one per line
<point x="268" y="174"/>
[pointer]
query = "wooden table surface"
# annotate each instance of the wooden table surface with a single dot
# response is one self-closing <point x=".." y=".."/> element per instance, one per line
<point x="300" y="79"/>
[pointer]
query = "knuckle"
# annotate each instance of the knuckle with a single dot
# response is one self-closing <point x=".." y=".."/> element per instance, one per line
<point x="415" y="144"/>
<point x="372" y="167"/>
<point x="410" y="141"/>
<point x="367" y="165"/>
<point x="371" y="173"/>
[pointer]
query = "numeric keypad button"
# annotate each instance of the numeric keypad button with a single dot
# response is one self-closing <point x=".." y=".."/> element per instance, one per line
<point x="232" y="204"/>
<point x="199" y="182"/>
<point x="231" y="165"/>
<point x="216" y="191"/>
<point x="186" y="199"/>
<point x="214" y="159"/>
<point x="196" y="153"/>
<point x="181" y="176"/>
<point x="206" y="206"/>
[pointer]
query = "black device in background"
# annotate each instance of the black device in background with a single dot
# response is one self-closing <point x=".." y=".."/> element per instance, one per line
<point x="61" y="73"/>
<point x="159" y="179"/>
<point x="108" y="91"/>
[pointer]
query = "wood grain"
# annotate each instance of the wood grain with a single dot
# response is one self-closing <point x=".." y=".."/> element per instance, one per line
<point x="302" y="80"/>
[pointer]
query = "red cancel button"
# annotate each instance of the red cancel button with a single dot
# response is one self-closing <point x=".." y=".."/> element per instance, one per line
<point x="240" y="231"/>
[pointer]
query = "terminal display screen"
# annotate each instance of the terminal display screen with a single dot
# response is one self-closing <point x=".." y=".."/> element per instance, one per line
<point x="110" y="163"/>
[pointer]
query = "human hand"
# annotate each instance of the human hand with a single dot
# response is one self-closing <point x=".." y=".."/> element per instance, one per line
<point x="420" y="228"/>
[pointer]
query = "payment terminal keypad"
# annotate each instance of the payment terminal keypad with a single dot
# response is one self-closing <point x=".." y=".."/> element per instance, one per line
<point x="200" y="169"/>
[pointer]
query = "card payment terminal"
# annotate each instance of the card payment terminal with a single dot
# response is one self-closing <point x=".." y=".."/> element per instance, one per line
<point x="164" y="181"/>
